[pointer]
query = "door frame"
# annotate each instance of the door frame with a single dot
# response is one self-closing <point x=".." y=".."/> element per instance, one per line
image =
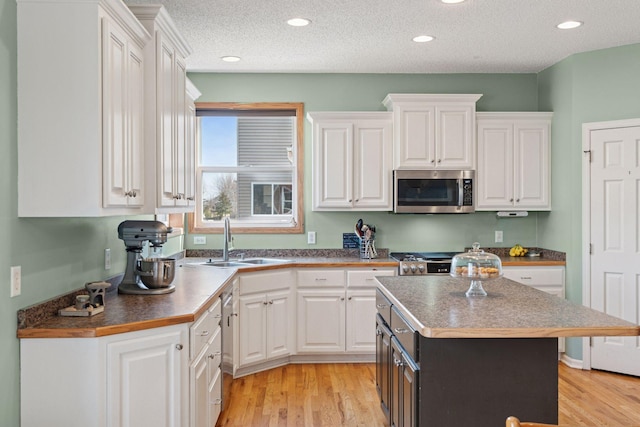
<point x="587" y="128"/>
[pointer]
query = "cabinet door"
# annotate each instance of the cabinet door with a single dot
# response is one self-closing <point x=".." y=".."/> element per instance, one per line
<point x="122" y="118"/>
<point x="166" y="59"/>
<point x="321" y="320"/>
<point x="455" y="141"/>
<point x="532" y="175"/>
<point x="383" y="364"/>
<point x="190" y="153"/>
<point x="361" y="312"/>
<point x="372" y="165"/>
<point x="179" y="139"/>
<point x="145" y="380"/>
<point x="252" y="320"/>
<point x="414" y="145"/>
<point x="333" y="165"/>
<point x="280" y="328"/>
<point x="495" y="166"/>
<point x="199" y="392"/>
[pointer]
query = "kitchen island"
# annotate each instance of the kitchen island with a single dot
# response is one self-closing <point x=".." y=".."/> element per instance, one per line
<point x="454" y="360"/>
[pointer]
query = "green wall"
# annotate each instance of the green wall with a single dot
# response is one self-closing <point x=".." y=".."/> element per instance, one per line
<point x="61" y="254"/>
<point x="590" y="87"/>
<point x="365" y="92"/>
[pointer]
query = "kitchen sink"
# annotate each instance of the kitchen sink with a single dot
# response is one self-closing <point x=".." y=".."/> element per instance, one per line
<point x="264" y="261"/>
<point x="245" y="262"/>
<point x="224" y="264"/>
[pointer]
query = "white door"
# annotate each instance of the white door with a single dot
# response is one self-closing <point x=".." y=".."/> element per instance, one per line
<point x="615" y="259"/>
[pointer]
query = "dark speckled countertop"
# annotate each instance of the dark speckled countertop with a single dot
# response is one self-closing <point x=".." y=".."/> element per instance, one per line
<point x="196" y="290"/>
<point x="197" y="287"/>
<point x="436" y="306"/>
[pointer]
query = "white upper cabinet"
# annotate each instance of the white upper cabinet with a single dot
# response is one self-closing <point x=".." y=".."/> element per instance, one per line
<point x="189" y="157"/>
<point x="80" y="108"/>
<point x="514" y="170"/>
<point x="433" y="130"/>
<point x="166" y="127"/>
<point x="351" y="163"/>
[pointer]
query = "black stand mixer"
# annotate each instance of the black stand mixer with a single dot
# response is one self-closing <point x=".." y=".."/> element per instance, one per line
<point x="156" y="276"/>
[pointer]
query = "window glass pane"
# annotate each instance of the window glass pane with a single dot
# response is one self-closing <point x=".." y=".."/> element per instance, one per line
<point x="219" y="196"/>
<point x="272" y="199"/>
<point x="219" y="141"/>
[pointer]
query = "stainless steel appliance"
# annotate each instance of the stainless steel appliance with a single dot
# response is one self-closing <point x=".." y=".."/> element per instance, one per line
<point x="433" y="191"/>
<point x="135" y="234"/>
<point x="422" y="263"/>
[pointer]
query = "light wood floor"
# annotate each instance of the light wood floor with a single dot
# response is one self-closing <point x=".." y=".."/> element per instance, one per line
<point x="345" y="395"/>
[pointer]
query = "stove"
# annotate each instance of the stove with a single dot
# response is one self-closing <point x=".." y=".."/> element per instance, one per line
<point x="423" y="263"/>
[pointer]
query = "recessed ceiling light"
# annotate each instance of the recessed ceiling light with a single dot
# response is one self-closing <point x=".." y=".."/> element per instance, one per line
<point x="451" y="1"/>
<point x="298" y="22"/>
<point x="230" y="58"/>
<point x="422" y="39"/>
<point x="568" y="25"/>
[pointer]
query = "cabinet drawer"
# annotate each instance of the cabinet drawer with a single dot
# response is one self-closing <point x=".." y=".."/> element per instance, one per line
<point x="321" y="278"/>
<point x="404" y="333"/>
<point x="200" y="333"/>
<point x="214" y="357"/>
<point x="535" y="276"/>
<point x="261" y="282"/>
<point x="360" y="278"/>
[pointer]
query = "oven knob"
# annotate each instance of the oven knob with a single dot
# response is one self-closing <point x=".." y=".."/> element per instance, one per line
<point x="421" y="268"/>
<point x="413" y="268"/>
<point x="405" y="268"/>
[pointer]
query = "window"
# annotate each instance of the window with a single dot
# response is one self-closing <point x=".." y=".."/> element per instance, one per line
<point x="249" y="168"/>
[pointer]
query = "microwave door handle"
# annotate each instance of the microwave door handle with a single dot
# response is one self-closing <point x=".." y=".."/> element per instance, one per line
<point x="460" y="192"/>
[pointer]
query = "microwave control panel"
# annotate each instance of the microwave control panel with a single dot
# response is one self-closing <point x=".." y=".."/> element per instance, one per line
<point x="467" y="192"/>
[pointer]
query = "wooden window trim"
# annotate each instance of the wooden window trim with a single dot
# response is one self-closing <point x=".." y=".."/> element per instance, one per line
<point x="298" y="227"/>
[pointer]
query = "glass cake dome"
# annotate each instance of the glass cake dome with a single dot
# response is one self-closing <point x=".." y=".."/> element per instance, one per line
<point x="476" y="265"/>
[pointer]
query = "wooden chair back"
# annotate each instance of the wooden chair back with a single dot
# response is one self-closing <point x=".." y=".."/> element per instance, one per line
<point x="514" y="422"/>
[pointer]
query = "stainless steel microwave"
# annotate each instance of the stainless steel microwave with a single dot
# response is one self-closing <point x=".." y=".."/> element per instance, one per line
<point x="433" y="191"/>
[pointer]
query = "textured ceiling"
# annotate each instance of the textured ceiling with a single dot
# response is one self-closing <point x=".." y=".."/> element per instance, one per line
<point x="374" y="36"/>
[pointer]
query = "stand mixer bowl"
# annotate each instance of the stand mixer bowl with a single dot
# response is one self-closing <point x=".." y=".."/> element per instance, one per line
<point x="156" y="272"/>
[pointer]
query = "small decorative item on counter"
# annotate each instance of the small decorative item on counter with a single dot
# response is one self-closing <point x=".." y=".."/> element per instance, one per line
<point x="518" y="250"/>
<point x="367" y="234"/>
<point x="87" y="305"/>
<point x="475" y="266"/>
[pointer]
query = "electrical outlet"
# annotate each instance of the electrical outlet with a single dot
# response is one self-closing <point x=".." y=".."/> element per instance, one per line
<point x="498" y="236"/>
<point x="199" y="240"/>
<point x="16" y="281"/>
<point x="107" y="259"/>
<point x="311" y="238"/>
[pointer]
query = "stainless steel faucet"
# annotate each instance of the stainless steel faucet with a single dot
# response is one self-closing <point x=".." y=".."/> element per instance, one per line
<point x="227" y="239"/>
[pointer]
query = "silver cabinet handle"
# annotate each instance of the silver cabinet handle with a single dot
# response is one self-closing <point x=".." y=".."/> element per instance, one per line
<point x="217" y="316"/>
<point x="321" y="279"/>
<point x="525" y="278"/>
<point x="204" y="333"/>
<point x="400" y="330"/>
<point x="179" y="346"/>
<point x="217" y="402"/>
<point x="397" y="362"/>
<point x="381" y="305"/>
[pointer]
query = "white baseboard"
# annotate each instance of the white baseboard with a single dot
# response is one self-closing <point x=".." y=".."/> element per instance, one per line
<point x="570" y="362"/>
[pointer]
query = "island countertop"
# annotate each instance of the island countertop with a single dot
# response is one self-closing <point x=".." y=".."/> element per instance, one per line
<point x="436" y="306"/>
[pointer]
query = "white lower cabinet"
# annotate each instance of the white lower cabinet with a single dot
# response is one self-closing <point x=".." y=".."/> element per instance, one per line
<point x="266" y="316"/>
<point x="145" y="380"/>
<point x="336" y="310"/>
<point x="169" y="376"/>
<point x="131" y="379"/>
<point x="205" y="369"/>
<point x="549" y="279"/>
